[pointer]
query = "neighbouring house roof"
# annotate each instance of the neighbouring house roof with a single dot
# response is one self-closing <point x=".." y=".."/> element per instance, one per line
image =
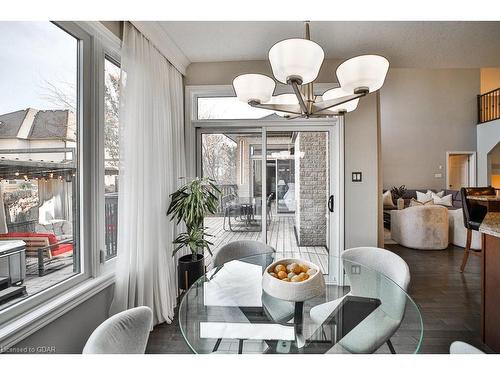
<point x="10" y="123"/>
<point x="49" y="124"/>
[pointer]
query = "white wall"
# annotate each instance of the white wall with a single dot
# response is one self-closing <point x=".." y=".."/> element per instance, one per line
<point x="69" y="333"/>
<point x="361" y="155"/>
<point x="488" y="135"/>
<point x="424" y="113"/>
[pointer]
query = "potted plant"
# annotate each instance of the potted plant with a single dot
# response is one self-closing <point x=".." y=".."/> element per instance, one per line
<point x="190" y="204"/>
<point x="398" y="194"/>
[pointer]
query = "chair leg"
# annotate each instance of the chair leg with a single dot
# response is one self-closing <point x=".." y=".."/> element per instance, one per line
<point x="466" y="250"/>
<point x="216" y="346"/>
<point x="391" y="347"/>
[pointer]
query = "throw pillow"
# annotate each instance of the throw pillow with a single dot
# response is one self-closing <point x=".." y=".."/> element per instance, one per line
<point x="444" y="201"/>
<point x="414" y="202"/>
<point x="440" y="194"/>
<point x="387" y="199"/>
<point x="424" y="197"/>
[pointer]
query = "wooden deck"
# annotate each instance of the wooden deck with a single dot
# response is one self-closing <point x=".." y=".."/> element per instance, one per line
<point x="281" y="236"/>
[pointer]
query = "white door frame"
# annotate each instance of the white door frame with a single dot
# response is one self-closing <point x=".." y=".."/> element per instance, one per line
<point x="194" y="128"/>
<point x="472" y="166"/>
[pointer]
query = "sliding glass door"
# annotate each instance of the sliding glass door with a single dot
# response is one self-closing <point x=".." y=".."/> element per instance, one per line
<point x="277" y="186"/>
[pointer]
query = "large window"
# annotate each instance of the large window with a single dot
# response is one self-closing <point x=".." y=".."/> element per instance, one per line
<point x="40" y="133"/>
<point x="111" y="154"/>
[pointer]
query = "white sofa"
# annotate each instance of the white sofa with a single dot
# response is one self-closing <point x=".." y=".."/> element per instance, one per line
<point x="458" y="233"/>
<point x="421" y="227"/>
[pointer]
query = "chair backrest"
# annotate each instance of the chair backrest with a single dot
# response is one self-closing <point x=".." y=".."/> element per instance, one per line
<point x="460" y="347"/>
<point x="240" y="249"/>
<point x="473" y="211"/>
<point x="124" y="333"/>
<point x="369" y="283"/>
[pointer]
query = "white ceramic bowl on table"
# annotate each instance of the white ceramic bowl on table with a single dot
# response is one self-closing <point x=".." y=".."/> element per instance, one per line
<point x="293" y="291"/>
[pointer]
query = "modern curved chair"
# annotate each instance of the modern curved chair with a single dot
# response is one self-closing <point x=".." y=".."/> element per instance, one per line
<point x="240" y="249"/>
<point x="379" y="326"/>
<point x="460" y="347"/>
<point x="278" y="310"/>
<point x="124" y="333"/>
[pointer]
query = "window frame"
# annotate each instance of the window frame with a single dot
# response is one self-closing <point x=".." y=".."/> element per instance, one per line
<point x="24" y="318"/>
<point x="104" y="49"/>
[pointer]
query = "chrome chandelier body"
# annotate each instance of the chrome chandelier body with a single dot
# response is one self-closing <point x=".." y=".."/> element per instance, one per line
<point x="297" y="62"/>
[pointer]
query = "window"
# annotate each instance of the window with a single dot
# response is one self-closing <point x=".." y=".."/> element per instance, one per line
<point x="227" y="108"/>
<point x="40" y="158"/>
<point x="111" y="154"/>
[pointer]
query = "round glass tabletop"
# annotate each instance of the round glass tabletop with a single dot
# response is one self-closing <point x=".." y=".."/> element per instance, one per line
<point x="226" y="311"/>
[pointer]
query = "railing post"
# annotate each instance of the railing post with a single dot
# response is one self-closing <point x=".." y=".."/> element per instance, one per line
<point x="479" y="109"/>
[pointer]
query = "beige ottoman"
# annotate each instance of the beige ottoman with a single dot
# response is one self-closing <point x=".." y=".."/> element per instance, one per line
<point x="458" y="233"/>
<point x="421" y="227"/>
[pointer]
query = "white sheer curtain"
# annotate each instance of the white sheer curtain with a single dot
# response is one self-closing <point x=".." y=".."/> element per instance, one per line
<point x="152" y="161"/>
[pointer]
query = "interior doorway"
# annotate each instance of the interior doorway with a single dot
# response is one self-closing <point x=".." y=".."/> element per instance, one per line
<point x="460" y="169"/>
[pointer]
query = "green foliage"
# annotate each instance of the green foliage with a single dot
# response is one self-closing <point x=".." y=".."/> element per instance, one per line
<point x="398" y="192"/>
<point x="190" y="204"/>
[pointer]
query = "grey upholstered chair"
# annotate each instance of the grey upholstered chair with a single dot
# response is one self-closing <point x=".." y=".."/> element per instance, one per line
<point x="278" y="310"/>
<point x="124" y="333"/>
<point x="378" y="327"/>
<point x="459" y="347"/>
<point x="240" y="249"/>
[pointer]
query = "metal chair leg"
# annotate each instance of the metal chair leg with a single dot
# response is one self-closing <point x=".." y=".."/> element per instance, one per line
<point x="391" y="347"/>
<point x="216" y="346"/>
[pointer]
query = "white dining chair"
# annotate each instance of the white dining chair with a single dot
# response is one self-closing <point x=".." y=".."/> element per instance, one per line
<point x="381" y="324"/>
<point x="240" y="249"/>
<point x="278" y="310"/>
<point x="124" y="333"/>
<point x="460" y="347"/>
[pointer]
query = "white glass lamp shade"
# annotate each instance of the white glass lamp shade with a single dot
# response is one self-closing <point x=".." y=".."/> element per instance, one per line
<point x="366" y="71"/>
<point x="254" y="87"/>
<point x="300" y="58"/>
<point x="338" y="93"/>
<point x="283" y="99"/>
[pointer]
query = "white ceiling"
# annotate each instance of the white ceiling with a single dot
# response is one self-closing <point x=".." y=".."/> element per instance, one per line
<point x="405" y="44"/>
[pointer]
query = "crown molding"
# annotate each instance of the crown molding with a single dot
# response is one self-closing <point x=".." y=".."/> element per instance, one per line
<point x="103" y="33"/>
<point x="160" y="38"/>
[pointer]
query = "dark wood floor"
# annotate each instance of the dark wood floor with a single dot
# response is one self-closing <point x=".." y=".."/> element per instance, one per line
<point x="449" y="303"/>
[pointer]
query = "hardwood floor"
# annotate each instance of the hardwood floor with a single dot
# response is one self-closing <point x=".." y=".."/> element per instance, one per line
<point x="449" y="303"/>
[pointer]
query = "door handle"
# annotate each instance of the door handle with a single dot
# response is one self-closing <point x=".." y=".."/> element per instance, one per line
<point x="331" y="203"/>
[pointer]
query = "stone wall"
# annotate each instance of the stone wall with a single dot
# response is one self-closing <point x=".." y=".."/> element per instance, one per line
<point x="311" y="187"/>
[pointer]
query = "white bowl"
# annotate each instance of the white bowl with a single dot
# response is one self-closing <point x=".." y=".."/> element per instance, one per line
<point x="295" y="292"/>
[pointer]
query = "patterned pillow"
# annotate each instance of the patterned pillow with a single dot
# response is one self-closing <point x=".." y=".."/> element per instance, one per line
<point x="424" y="197"/>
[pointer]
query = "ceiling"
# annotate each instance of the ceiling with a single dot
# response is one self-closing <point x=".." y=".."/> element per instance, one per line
<point x="406" y="44"/>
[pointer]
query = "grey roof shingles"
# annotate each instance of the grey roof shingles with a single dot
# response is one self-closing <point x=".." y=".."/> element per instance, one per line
<point x="50" y="124"/>
<point x="11" y="122"/>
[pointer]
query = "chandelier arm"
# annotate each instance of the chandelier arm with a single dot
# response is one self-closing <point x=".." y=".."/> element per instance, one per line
<point x="287" y="108"/>
<point x="318" y="107"/>
<point x="298" y="94"/>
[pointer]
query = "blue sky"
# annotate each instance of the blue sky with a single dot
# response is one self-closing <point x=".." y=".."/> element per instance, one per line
<point x="32" y="53"/>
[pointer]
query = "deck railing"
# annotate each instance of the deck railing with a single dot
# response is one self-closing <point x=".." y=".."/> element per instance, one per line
<point x="488" y="106"/>
<point x="111" y="222"/>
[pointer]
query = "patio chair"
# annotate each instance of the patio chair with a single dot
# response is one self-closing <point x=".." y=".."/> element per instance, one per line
<point x="229" y="210"/>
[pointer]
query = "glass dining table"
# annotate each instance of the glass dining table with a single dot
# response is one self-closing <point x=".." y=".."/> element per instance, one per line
<point x="226" y="311"/>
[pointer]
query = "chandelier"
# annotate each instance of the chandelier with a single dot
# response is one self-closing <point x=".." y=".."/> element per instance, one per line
<point x="296" y="62"/>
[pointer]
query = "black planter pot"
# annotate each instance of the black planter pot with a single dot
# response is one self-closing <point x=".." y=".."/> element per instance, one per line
<point x="189" y="270"/>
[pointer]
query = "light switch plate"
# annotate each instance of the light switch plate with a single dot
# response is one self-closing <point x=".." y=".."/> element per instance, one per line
<point x="357" y="177"/>
<point x="438" y="175"/>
